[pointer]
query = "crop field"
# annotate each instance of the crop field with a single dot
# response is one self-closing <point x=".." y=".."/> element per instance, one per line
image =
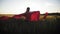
<point x="44" y="26"/>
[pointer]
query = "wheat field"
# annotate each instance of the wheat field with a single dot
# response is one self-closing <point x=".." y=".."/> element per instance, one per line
<point x="50" y="25"/>
<point x="41" y="16"/>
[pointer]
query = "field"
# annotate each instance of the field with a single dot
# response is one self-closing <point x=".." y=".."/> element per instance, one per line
<point x="41" y="16"/>
<point x="44" y="26"/>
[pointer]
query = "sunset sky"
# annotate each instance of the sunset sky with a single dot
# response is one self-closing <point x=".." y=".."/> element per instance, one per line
<point x="19" y="6"/>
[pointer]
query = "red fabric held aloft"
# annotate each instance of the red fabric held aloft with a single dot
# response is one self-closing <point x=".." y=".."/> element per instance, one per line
<point x="31" y="16"/>
<point x="46" y="14"/>
<point x="35" y="16"/>
<point x="17" y="16"/>
<point x="4" y="18"/>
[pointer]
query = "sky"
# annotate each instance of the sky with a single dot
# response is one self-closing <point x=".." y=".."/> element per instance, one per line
<point x="19" y="6"/>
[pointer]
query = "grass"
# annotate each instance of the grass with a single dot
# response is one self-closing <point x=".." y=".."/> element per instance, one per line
<point x="49" y="25"/>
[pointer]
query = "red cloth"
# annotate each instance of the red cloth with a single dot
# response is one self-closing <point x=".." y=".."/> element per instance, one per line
<point x="35" y="16"/>
<point x="45" y="15"/>
<point x="4" y="18"/>
<point x="31" y="16"/>
<point x="18" y="16"/>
